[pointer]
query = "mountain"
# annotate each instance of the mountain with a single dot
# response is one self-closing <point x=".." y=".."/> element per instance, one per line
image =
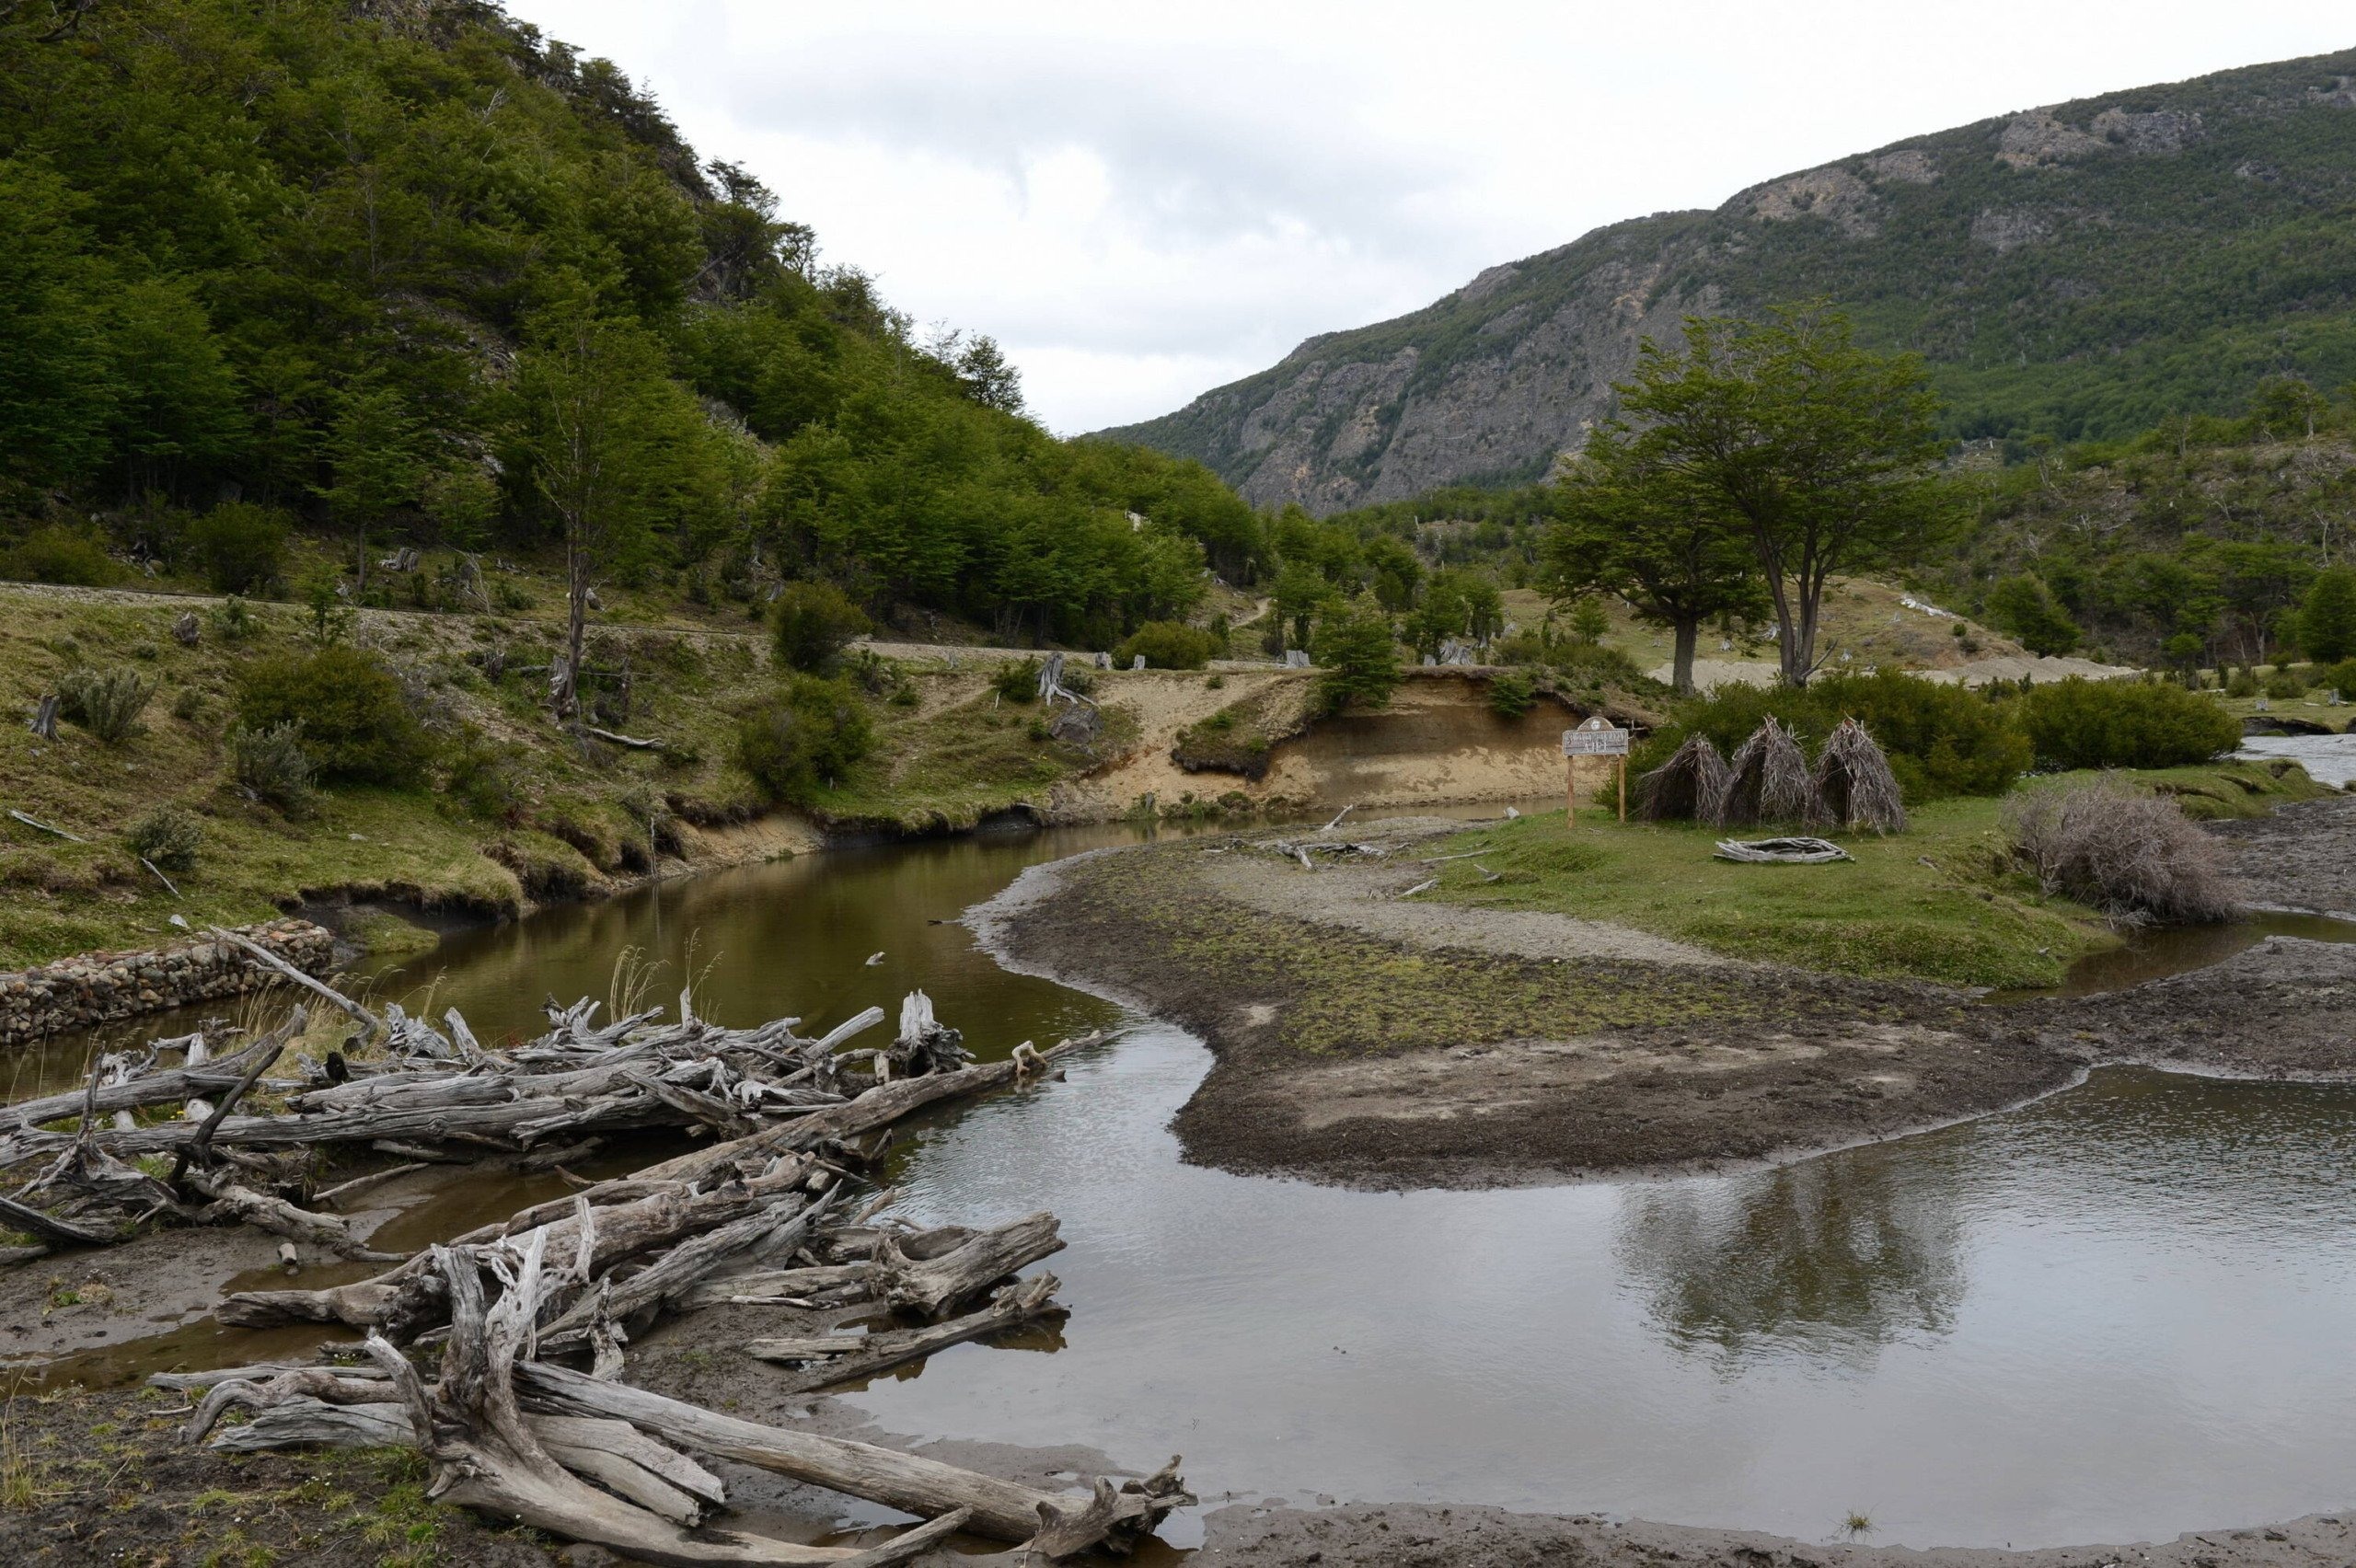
<point x="2080" y="271"/>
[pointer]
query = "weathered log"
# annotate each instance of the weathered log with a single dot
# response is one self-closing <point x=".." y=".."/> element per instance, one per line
<point x="51" y="1228"/>
<point x="821" y="1363"/>
<point x="232" y="1201"/>
<point x="161" y="1087"/>
<point x="1003" y="1510"/>
<point x="930" y="1272"/>
<point x="270" y="960"/>
<point x="836" y="1284"/>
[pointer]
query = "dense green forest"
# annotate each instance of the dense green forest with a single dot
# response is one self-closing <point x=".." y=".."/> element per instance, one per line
<point x="335" y="267"/>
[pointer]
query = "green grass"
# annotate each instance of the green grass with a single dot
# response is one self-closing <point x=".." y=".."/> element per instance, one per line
<point x="1942" y="902"/>
<point x="952" y="767"/>
<point x="566" y="819"/>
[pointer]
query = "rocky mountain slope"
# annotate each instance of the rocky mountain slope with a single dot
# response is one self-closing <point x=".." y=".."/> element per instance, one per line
<point x="2077" y="270"/>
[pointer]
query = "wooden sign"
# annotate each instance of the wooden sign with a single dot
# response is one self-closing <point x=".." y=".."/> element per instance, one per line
<point x="1595" y="738"/>
<point x="1598" y="737"/>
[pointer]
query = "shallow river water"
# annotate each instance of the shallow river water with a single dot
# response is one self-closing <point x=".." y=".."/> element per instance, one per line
<point x="2117" y="1314"/>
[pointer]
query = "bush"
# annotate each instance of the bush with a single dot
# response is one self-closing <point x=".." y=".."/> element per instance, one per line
<point x="271" y="766"/>
<point x="804" y="739"/>
<point x="1513" y="694"/>
<point x="1017" y="680"/>
<point x="1357" y="658"/>
<point x="167" y="837"/>
<point x="2284" y="687"/>
<point x="2082" y="723"/>
<point x="1941" y="740"/>
<point x="1168" y="645"/>
<point x="242" y="546"/>
<point x="480" y="775"/>
<point x="2121" y="851"/>
<point x="2023" y="607"/>
<point x="64" y="556"/>
<point x="355" y="725"/>
<point x="2340" y="677"/>
<point x="233" y="620"/>
<point x="2244" y="683"/>
<point x="106" y="704"/>
<point x="813" y="623"/>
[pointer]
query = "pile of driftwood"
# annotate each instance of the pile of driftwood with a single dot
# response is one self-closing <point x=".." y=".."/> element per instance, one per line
<point x="499" y="1353"/>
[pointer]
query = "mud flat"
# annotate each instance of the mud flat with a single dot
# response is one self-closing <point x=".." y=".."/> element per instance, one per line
<point x="1367" y="1040"/>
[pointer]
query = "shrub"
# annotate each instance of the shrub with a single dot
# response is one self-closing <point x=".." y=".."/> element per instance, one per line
<point x="2244" y="683"/>
<point x="2082" y="723"/>
<point x="2340" y="677"/>
<point x="167" y="837"/>
<point x="480" y="775"/>
<point x="108" y="703"/>
<point x="2121" y="851"/>
<point x="189" y="706"/>
<point x="1168" y="645"/>
<point x="270" y="765"/>
<point x="65" y="556"/>
<point x="1512" y="694"/>
<point x="2023" y="607"/>
<point x="233" y="620"/>
<point x="1017" y="680"/>
<point x="355" y="726"/>
<point x="242" y="546"/>
<point x="1357" y="658"/>
<point x="1941" y="740"/>
<point x="2283" y="686"/>
<point x="813" y="623"/>
<point x="804" y="739"/>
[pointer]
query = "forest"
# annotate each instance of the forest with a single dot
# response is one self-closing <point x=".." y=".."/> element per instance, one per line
<point x="337" y="270"/>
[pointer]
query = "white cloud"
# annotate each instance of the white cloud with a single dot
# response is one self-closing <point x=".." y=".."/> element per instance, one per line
<point x="1142" y="201"/>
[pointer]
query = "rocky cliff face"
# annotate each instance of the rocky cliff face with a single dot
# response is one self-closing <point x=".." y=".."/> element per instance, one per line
<point x="2079" y="270"/>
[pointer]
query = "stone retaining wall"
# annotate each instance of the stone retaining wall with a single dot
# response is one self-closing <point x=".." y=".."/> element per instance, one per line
<point x="98" y="988"/>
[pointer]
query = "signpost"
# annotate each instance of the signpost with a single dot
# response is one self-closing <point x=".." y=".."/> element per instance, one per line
<point x="1597" y="737"/>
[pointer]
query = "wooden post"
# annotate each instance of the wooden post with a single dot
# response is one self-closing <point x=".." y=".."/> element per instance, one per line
<point x="1624" y="789"/>
<point x="1570" y="790"/>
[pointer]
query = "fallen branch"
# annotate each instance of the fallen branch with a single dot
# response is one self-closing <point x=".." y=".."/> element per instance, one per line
<point x="826" y="1360"/>
<point x="270" y="960"/>
<point x="35" y="822"/>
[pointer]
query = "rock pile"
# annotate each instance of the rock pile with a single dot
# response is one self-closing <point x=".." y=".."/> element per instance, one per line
<point x="98" y="988"/>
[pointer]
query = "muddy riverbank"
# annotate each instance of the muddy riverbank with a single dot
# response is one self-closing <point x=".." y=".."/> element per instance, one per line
<point x="1369" y="1041"/>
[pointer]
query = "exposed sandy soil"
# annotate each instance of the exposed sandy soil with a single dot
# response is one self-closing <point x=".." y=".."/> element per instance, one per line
<point x="2303" y="857"/>
<point x="1410" y="1536"/>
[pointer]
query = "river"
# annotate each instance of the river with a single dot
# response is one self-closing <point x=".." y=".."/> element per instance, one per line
<point x="2117" y="1314"/>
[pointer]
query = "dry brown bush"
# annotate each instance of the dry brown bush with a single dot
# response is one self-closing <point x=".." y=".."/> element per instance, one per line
<point x="2120" y="851"/>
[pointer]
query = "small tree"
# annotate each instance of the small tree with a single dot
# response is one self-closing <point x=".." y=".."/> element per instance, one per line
<point x="373" y="452"/>
<point x="814" y="622"/>
<point x="609" y="440"/>
<point x="1816" y="451"/>
<point x="2023" y="607"/>
<point x="1301" y="591"/>
<point x="2327" y="615"/>
<point x="1358" y="657"/>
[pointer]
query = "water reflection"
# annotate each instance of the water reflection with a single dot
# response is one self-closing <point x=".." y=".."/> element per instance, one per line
<point x="1839" y="1255"/>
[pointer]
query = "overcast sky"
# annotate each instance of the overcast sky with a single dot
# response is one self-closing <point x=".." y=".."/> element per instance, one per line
<point x="1142" y="201"/>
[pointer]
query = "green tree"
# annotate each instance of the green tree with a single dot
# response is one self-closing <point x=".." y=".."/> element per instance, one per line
<point x="592" y="421"/>
<point x="1627" y="526"/>
<point x="1816" y="451"/>
<point x="372" y="450"/>
<point x="2327" y="615"/>
<point x="1300" y="591"/>
<point x="1356" y="656"/>
<point x="2023" y="607"/>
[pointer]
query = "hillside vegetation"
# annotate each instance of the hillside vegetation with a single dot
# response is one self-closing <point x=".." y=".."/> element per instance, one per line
<point x="341" y="267"/>
<point x="2081" y="270"/>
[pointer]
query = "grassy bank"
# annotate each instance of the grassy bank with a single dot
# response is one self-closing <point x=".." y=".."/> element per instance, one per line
<point x="1944" y="900"/>
<point x="509" y="810"/>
